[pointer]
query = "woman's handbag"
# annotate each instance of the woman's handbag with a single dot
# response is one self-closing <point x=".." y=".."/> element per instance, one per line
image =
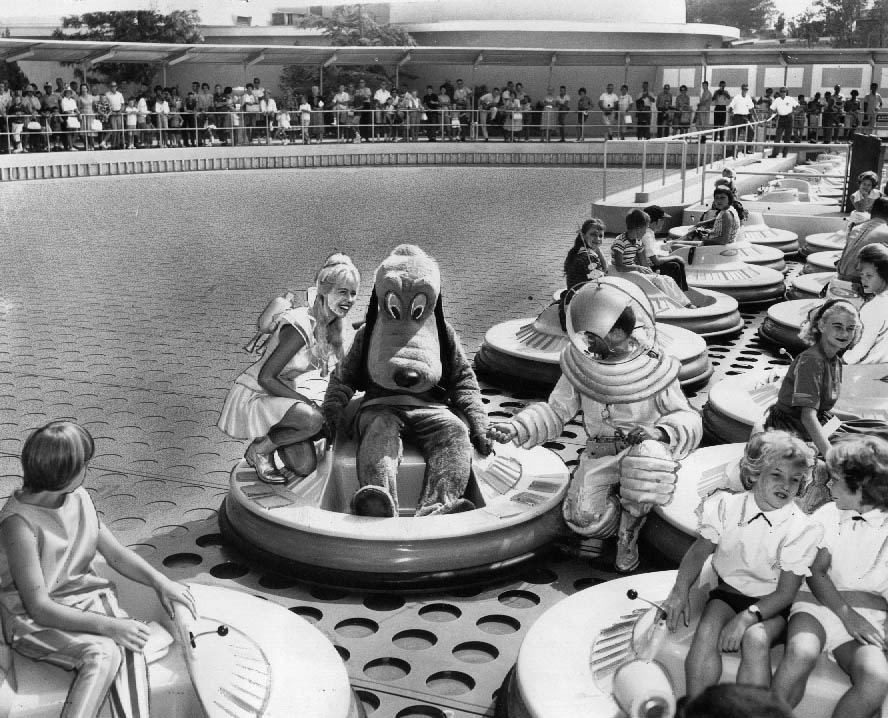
<point x="34" y="126"/>
<point x="72" y="122"/>
<point x="627" y="119"/>
<point x="95" y="125"/>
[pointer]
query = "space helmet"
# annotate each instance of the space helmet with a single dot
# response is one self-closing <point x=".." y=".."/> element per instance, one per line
<point x="613" y="355"/>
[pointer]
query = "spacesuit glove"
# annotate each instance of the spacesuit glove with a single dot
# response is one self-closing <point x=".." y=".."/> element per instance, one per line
<point x="647" y="480"/>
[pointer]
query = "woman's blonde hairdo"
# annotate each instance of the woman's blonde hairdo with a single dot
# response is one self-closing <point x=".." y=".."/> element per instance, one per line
<point x="338" y="269"/>
<point x="764" y="448"/>
<point x="810" y="333"/>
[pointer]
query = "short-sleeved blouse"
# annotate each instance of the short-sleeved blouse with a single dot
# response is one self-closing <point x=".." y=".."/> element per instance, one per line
<point x="752" y="546"/>
<point x="583" y="266"/>
<point x="813" y="382"/>
<point x="858" y="545"/>
<point x="718" y="227"/>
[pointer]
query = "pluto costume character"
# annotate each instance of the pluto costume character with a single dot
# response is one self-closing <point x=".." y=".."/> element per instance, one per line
<point x="637" y="419"/>
<point x="408" y="361"/>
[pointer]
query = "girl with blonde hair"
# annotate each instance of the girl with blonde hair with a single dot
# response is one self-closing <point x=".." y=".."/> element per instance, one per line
<point x="264" y="404"/>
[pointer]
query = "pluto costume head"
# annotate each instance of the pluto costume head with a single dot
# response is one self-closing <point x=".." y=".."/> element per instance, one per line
<point x="410" y="364"/>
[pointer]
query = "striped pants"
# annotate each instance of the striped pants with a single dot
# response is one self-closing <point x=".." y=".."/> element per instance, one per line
<point x="100" y="664"/>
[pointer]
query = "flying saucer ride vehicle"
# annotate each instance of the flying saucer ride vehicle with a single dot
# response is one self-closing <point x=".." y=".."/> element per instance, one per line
<point x="525" y="352"/>
<point x="598" y="653"/>
<point x="243" y="656"/>
<point x="757" y="243"/>
<point x="306" y="526"/>
<point x="738" y="403"/>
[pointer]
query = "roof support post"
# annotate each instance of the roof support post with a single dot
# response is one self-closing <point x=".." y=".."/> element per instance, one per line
<point x="404" y="59"/>
<point x="254" y="59"/>
<point x="20" y="55"/>
<point x="626" y="62"/>
<point x="552" y="62"/>
<point x="330" y="60"/>
<point x="96" y="58"/>
<point x="179" y="57"/>
<point x="785" y="68"/>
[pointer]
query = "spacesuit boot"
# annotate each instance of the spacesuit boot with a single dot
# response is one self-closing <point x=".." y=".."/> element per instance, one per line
<point x="627" y="541"/>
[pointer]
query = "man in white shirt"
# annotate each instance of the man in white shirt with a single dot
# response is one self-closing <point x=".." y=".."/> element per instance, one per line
<point x="742" y="112"/>
<point x="115" y="133"/>
<point x="782" y="106"/>
<point x="380" y="97"/>
<point x="607" y="103"/>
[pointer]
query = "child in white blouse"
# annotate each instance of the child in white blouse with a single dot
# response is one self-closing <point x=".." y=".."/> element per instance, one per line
<point x="849" y="581"/>
<point x="762" y="546"/>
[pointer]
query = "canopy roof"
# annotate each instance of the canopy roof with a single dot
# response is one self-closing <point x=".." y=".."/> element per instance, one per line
<point x="88" y="52"/>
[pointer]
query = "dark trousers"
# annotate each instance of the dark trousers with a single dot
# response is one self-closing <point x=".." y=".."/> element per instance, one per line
<point x="741" y="134"/>
<point x="784" y="132"/>
<point x="675" y="269"/>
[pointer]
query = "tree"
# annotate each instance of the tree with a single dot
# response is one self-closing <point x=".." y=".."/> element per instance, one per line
<point x="747" y="15"/>
<point x="841" y="19"/>
<point x="12" y="74"/>
<point x="346" y="26"/>
<point x="180" y="26"/>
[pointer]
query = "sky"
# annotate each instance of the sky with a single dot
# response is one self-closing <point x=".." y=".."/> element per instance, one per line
<point x="791" y="8"/>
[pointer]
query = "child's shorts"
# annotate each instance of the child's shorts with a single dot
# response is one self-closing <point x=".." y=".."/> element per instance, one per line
<point x="832" y="625"/>
<point x="738" y="601"/>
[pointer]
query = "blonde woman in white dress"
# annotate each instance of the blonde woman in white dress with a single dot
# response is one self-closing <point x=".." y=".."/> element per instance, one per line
<point x="264" y="403"/>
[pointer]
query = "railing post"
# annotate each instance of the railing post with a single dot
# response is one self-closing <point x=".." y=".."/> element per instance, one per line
<point x="644" y="148"/>
<point x="665" y="156"/>
<point x="684" y="157"/>
<point x="604" y="179"/>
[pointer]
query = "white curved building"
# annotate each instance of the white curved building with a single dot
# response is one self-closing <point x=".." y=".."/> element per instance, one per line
<point x="602" y="24"/>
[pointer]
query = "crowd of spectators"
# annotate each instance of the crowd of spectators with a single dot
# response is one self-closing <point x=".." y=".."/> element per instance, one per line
<point x="75" y="116"/>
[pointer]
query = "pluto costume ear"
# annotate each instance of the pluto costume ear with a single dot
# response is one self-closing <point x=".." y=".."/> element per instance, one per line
<point x="443" y="343"/>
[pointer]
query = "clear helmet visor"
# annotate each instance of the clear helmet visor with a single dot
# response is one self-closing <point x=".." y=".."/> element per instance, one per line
<point x="611" y="321"/>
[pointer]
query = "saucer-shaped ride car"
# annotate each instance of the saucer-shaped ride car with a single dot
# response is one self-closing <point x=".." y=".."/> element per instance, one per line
<point x="809" y="286"/>
<point x="784" y="319"/>
<point x="738" y="403"/>
<point x="822" y="262"/>
<point x="305" y="526"/>
<point x="823" y="242"/>
<point x="525" y="353"/>
<point x="243" y="656"/>
<point x="789" y="191"/>
<point x="720" y="269"/>
<point x="599" y="653"/>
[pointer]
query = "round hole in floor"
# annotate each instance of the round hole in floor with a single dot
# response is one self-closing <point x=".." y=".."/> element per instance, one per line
<point x="384" y="602"/>
<point x="497" y="625"/>
<point x="229" y="569"/>
<point x="309" y="613"/>
<point x="475" y="652"/>
<point x="369" y="700"/>
<point x="421" y="712"/>
<point x="414" y="639"/>
<point x="450" y="683"/>
<point x="209" y="540"/>
<point x="277" y="581"/>
<point x="519" y="599"/>
<point x="356" y="627"/>
<point x="387" y="669"/>
<point x="440" y="612"/>
<point x="182" y="560"/>
<point x="327" y="593"/>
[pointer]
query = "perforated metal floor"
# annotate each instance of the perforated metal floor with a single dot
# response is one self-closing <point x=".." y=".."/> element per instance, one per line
<point x="124" y="305"/>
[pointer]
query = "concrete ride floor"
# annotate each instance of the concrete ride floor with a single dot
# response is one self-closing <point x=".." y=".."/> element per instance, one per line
<point x="125" y="303"/>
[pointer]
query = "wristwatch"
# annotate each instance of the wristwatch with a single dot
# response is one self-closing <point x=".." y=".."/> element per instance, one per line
<point x="754" y="610"/>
